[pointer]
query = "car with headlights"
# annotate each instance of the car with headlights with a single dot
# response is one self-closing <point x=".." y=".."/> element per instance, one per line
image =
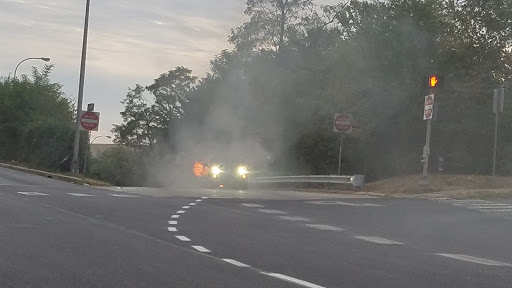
<point x="229" y="176"/>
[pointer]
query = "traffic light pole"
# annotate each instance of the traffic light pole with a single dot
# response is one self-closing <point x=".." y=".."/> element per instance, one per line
<point x="426" y="150"/>
<point x="424" y="182"/>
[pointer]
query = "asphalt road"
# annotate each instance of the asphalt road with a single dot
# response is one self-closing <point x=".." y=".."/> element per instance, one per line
<point x="55" y="234"/>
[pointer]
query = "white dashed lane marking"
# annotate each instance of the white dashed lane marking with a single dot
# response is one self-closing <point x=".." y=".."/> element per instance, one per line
<point x="183" y="238"/>
<point x="292" y="280"/>
<point x="192" y="204"/>
<point x="80" y="195"/>
<point x="172" y="229"/>
<point x="472" y="259"/>
<point x="201" y="249"/>
<point x="251" y="205"/>
<point x="324" y="227"/>
<point x="378" y="240"/>
<point x="32" y="194"/>
<point x="271" y="211"/>
<point x="124" y="195"/>
<point x="175" y="216"/>
<point x="172" y="222"/>
<point x="185" y="207"/>
<point x="292" y="218"/>
<point x="204" y="197"/>
<point x="180" y="211"/>
<point x="236" y="263"/>
<point x="199" y="200"/>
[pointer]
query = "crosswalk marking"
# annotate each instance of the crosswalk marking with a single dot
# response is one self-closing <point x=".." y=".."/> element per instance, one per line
<point x="478" y="205"/>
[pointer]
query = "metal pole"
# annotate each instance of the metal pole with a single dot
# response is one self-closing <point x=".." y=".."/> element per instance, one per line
<point x="339" y="158"/>
<point x="495" y="142"/>
<point x="76" y="145"/>
<point x="88" y="150"/>
<point x="426" y="149"/>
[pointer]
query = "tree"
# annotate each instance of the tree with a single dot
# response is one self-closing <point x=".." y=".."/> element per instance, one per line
<point x="272" y="24"/>
<point x="36" y="120"/>
<point x="171" y="91"/>
<point x="139" y="127"/>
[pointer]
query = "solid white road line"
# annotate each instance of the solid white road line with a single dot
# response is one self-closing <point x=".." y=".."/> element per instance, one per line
<point x="271" y="211"/>
<point x="175" y="216"/>
<point x="180" y="211"/>
<point x="192" y="204"/>
<point x="172" y="229"/>
<point x="201" y="249"/>
<point x="185" y="207"/>
<point x="474" y="259"/>
<point x="483" y="204"/>
<point x="344" y="203"/>
<point x="292" y="280"/>
<point x="32" y="194"/>
<point x="291" y="218"/>
<point x="324" y="227"/>
<point x="501" y="210"/>
<point x="124" y="195"/>
<point x="80" y="195"/>
<point x="250" y="205"/>
<point x="378" y="240"/>
<point x="173" y="222"/>
<point x="236" y="263"/>
<point x="182" y="238"/>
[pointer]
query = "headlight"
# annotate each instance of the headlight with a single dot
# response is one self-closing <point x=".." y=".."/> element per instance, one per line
<point x="216" y="170"/>
<point x="242" y="170"/>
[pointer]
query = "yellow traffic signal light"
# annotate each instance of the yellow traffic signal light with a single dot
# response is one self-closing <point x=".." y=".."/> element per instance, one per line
<point x="433" y="81"/>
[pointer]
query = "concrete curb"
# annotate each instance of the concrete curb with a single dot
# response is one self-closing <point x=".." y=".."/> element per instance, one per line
<point x="65" y="178"/>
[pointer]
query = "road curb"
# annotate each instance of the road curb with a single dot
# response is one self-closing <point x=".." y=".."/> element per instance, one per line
<point x="65" y="178"/>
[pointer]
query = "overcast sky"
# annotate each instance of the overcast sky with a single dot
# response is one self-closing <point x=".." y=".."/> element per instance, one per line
<point x="130" y="41"/>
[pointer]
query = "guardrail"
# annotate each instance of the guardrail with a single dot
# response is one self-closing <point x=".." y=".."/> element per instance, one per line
<point x="356" y="180"/>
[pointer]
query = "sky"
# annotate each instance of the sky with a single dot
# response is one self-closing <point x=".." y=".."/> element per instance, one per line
<point x="130" y="42"/>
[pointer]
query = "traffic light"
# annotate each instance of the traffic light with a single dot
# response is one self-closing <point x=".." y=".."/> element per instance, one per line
<point x="432" y="81"/>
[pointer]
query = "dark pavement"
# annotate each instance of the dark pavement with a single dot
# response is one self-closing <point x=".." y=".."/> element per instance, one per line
<point x="55" y="234"/>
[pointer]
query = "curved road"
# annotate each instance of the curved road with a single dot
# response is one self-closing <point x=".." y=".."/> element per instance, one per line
<point x="56" y="234"/>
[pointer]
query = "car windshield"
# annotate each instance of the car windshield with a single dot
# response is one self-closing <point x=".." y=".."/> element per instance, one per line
<point x="256" y="143"/>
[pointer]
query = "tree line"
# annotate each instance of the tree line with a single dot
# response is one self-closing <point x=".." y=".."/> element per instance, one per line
<point x="270" y="100"/>
<point x="294" y="64"/>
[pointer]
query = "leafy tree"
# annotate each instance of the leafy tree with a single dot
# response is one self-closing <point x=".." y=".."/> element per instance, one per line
<point x="272" y="24"/>
<point x="139" y="127"/>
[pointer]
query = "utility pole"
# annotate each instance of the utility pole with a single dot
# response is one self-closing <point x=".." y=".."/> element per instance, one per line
<point x="76" y="144"/>
<point x="497" y="107"/>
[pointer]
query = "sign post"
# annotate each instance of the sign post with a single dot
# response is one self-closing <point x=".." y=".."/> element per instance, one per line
<point x="497" y="107"/>
<point x="428" y="111"/>
<point x="342" y="125"/>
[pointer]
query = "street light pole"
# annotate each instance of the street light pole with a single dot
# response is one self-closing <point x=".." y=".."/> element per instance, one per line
<point x="45" y="59"/>
<point x="76" y="144"/>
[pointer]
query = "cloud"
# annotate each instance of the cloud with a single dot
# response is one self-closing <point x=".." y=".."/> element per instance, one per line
<point x="130" y="41"/>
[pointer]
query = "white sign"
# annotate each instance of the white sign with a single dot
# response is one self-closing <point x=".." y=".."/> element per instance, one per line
<point x="342" y="123"/>
<point x="429" y="107"/>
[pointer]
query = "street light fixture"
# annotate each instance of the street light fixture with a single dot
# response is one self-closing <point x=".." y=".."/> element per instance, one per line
<point x="45" y="59"/>
<point x="89" y="149"/>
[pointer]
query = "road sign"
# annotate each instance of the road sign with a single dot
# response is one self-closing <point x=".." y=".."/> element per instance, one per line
<point x="89" y="121"/>
<point x="429" y="107"/>
<point x="342" y="123"/>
